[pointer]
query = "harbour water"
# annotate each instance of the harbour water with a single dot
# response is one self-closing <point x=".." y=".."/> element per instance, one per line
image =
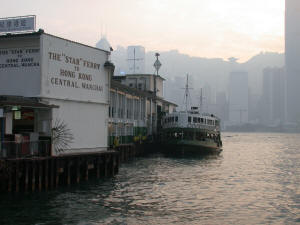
<point x="255" y="180"/>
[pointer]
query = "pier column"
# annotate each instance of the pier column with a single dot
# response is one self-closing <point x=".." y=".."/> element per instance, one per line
<point x="98" y="162"/>
<point x="69" y="163"/>
<point x="33" y="176"/>
<point x="9" y="185"/>
<point x="106" y="165"/>
<point x="40" y="175"/>
<point x="26" y="180"/>
<point x="52" y="173"/>
<point x="57" y="173"/>
<point x="46" y="173"/>
<point x="86" y="169"/>
<point x="17" y="176"/>
<point x="78" y="170"/>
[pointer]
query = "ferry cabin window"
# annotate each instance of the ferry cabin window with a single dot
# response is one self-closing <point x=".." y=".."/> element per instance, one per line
<point x="176" y="119"/>
<point x="194" y="119"/>
<point x="202" y="120"/>
<point x="189" y="119"/>
<point x="198" y="119"/>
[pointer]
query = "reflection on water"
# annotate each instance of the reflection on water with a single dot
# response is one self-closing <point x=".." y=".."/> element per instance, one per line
<point x="255" y="180"/>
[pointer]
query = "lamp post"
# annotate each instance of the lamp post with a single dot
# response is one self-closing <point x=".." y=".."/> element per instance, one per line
<point x="157" y="66"/>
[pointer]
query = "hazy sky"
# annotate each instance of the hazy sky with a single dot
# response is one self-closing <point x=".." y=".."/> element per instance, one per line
<point x="205" y="28"/>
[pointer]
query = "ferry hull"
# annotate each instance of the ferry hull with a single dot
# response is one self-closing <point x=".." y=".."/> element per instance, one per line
<point x="191" y="147"/>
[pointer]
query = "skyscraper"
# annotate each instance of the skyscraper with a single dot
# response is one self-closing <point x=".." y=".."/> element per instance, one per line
<point x="272" y="110"/>
<point x="238" y="97"/>
<point x="292" y="58"/>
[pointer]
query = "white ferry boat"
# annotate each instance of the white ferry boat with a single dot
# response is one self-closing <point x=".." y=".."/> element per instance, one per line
<point x="191" y="131"/>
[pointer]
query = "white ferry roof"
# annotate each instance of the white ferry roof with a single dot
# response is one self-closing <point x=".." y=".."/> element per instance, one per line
<point x="191" y="119"/>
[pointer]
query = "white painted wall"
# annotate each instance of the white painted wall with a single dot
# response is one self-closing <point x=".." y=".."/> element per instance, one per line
<point x="88" y="123"/>
<point x="159" y="87"/>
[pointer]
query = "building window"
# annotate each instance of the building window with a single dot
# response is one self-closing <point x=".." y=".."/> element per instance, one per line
<point x="189" y="119"/>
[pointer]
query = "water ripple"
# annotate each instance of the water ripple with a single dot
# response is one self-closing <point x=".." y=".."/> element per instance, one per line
<point x="255" y="180"/>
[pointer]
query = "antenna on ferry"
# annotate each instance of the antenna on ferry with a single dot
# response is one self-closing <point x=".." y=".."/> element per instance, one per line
<point x="187" y="97"/>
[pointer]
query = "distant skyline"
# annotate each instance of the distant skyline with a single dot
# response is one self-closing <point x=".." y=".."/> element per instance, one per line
<point x="202" y="28"/>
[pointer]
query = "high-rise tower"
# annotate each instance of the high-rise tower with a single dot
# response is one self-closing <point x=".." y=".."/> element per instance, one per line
<point x="292" y="58"/>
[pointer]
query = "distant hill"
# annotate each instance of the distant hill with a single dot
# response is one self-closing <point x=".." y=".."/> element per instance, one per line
<point x="203" y="71"/>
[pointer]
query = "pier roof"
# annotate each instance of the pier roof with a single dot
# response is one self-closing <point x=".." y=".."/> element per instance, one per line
<point x="129" y="90"/>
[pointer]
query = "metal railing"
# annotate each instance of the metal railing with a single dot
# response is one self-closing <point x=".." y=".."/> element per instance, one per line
<point x="25" y="149"/>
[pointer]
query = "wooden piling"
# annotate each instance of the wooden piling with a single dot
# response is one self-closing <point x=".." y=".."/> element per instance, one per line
<point x="33" y="176"/>
<point x="86" y="169"/>
<point x="69" y="172"/>
<point x="40" y="172"/>
<point x="57" y="173"/>
<point x="98" y="162"/>
<point x="17" y="176"/>
<point x="52" y="173"/>
<point x="46" y="173"/>
<point x="26" y="180"/>
<point x="78" y="170"/>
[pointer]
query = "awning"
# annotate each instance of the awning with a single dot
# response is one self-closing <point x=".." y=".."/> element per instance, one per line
<point x="24" y="102"/>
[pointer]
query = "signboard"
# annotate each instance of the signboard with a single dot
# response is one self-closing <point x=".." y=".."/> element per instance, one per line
<point x="17" y="24"/>
<point x="20" y="70"/>
<point x="73" y="71"/>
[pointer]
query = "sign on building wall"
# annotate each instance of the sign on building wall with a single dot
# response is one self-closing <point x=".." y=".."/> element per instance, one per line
<point x="20" y="69"/>
<point x="73" y="71"/>
<point x="17" y="24"/>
